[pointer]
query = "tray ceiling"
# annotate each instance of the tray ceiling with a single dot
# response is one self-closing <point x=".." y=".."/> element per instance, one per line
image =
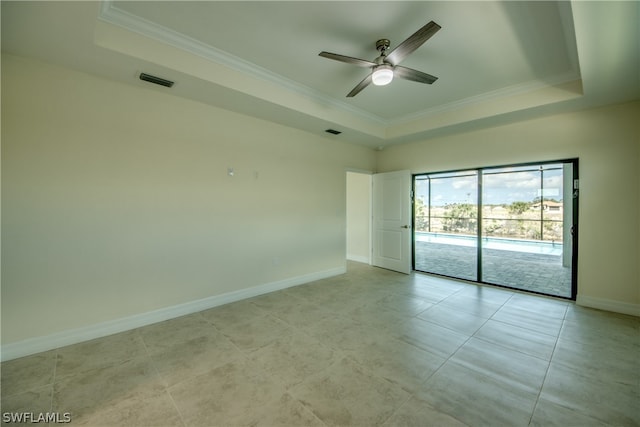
<point x="495" y="61"/>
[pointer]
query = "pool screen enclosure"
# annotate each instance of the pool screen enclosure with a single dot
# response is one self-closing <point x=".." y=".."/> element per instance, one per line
<point x="513" y="226"/>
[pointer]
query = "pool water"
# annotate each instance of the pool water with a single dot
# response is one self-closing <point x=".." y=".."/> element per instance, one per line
<point x="514" y="245"/>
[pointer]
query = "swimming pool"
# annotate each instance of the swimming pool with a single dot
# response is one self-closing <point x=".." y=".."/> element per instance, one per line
<point x="514" y="245"/>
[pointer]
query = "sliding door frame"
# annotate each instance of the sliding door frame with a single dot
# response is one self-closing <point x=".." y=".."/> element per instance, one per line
<point x="574" y="200"/>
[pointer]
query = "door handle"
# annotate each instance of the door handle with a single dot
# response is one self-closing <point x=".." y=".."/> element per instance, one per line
<point x="404" y="226"/>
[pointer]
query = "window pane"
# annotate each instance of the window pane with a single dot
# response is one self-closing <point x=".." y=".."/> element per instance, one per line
<point x="522" y="229"/>
<point x="447" y="224"/>
<point x="552" y="205"/>
<point x="509" y="205"/>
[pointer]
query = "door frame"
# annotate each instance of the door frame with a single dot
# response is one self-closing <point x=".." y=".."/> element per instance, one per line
<point x="369" y="206"/>
<point x="575" y="224"/>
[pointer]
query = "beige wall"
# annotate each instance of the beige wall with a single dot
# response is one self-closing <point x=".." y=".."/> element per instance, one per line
<point x="359" y="217"/>
<point x="116" y="200"/>
<point x="607" y="143"/>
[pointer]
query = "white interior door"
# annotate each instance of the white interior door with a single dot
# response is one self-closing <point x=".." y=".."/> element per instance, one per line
<point x="392" y="221"/>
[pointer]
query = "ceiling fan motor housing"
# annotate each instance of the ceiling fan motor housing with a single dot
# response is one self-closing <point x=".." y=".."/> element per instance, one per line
<point x="382" y="45"/>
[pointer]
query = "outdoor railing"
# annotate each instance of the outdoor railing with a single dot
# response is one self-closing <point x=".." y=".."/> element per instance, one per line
<point x="549" y="230"/>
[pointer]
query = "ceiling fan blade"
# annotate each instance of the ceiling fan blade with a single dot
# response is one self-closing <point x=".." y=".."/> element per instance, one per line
<point x="364" y="83"/>
<point x="412" y="43"/>
<point x="413" y="75"/>
<point x="348" y="59"/>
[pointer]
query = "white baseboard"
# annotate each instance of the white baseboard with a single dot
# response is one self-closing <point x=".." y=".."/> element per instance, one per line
<point x="359" y="258"/>
<point x="609" y="305"/>
<point x="85" y="333"/>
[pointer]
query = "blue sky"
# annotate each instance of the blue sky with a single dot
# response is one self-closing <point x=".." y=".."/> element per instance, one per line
<point x="502" y="188"/>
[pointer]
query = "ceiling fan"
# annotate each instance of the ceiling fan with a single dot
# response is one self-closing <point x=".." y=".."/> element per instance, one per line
<point x="385" y="67"/>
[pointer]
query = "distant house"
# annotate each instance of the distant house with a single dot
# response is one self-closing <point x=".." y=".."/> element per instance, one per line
<point x="548" y="205"/>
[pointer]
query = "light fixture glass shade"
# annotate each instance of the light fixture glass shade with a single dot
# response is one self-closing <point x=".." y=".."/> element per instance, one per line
<point x="382" y="75"/>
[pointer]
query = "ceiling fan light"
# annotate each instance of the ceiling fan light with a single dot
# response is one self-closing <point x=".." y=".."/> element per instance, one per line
<point x="382" y="75"/>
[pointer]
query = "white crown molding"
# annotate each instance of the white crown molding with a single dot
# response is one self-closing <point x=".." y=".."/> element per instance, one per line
<point x="113" y="15"/>
<point x="505" y="92"/>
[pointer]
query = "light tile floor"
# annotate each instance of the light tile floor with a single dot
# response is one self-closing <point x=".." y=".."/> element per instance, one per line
<point x="367" y="348"/>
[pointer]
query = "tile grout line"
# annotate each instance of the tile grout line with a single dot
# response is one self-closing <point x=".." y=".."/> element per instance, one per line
<point x="165" y="384"/>
<point x="546" y="373"/>
<point x="53" y="380"/>
<point x="246" y="353"/>
<point x="341" y="355"/>
<point x="514" y="294"/>
<point x="474" y="334"/>
<point x="413" y="394"/>
<point x="461" y="345"/>
<point x="409" y="397"/>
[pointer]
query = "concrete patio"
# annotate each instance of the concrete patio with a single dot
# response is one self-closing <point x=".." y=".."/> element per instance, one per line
<point x="520" y="270"/>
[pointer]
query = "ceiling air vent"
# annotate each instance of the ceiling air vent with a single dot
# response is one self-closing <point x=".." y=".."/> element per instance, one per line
<point x="157" y="80"/>
<point x="333" y="131"/>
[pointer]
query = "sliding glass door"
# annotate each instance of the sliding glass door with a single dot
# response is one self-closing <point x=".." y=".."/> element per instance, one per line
<point x="523" y="229"/>
<point x="446" y="224"/>
<point x="508" y="226"/>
